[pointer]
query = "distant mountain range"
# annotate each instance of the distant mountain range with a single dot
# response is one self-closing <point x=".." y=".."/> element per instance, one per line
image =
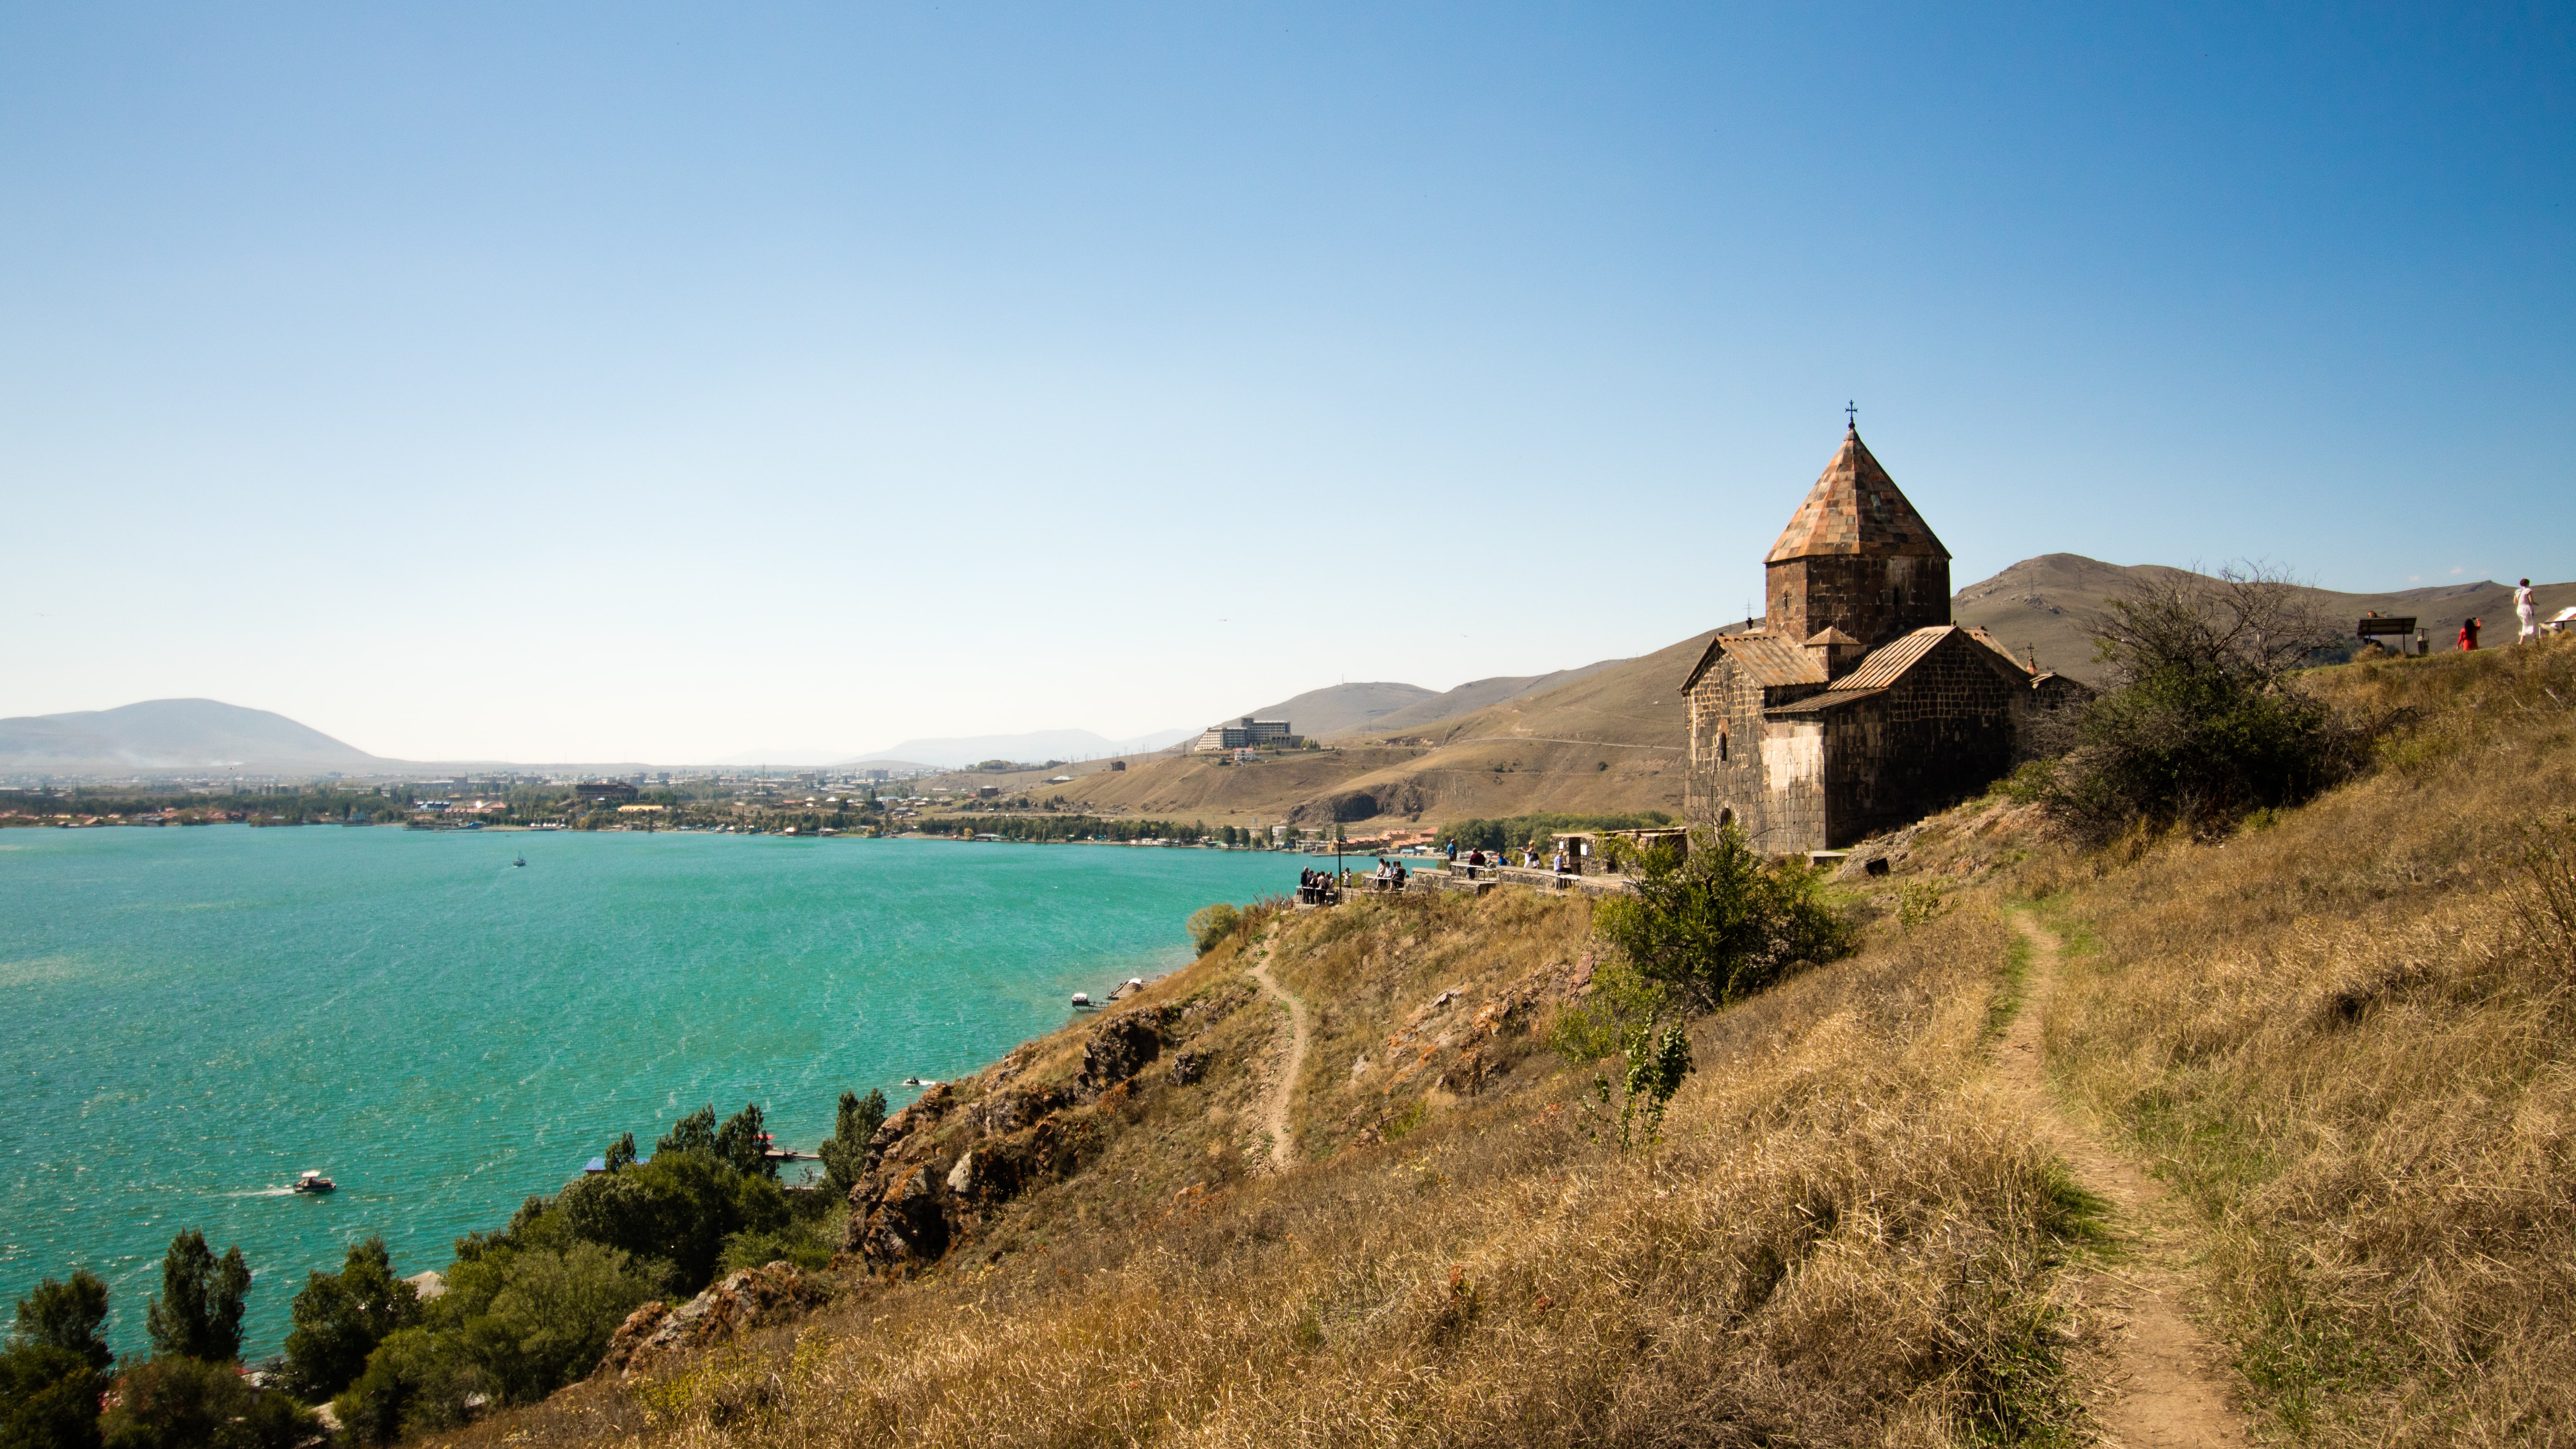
<point x="175" y="735"/>
<point x="2040" y="606"/>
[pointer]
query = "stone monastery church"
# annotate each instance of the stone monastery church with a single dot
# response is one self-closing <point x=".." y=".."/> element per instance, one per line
<point x="1858" y="706"/>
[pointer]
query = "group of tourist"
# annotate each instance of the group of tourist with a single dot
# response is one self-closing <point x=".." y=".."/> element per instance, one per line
<point x="2525" y="612"/>
<point x="1317" y="888"/>
<point x="1478" y="860"/>
<point x="1390" y="875"/>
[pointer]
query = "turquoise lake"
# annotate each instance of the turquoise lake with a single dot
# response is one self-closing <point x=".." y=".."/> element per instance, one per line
<point x="195" y="1015"/>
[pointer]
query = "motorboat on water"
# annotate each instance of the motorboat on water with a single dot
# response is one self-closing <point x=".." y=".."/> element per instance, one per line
<point x="522" y="860"/>
<point x="314" y="1182"/>
<point x="1082" y="1001"/>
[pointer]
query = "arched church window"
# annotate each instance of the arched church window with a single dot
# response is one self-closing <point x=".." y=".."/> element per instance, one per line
<point x="1721" y="741"/>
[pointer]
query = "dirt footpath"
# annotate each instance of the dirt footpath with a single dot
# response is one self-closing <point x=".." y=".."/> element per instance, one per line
<point x="2171" y="1391"/>
<point x="1274" y="1111"/>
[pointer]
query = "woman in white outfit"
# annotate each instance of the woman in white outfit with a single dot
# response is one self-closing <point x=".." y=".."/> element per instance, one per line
<point x="2527" y="614"/>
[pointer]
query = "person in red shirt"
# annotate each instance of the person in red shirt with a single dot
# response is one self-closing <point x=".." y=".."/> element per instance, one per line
<point x="2469" y="635"/>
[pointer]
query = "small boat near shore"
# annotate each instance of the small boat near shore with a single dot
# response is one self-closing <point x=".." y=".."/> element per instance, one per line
<point x="1082" y="1001"/>
<point x="314" y="1184"/>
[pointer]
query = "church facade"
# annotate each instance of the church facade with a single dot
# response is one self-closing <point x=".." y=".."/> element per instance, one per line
<point x="1857" y="707"/>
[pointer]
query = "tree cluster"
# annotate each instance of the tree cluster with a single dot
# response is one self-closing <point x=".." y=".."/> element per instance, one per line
<point x="524" y="1311"/>
<point x="55" y="1371"/>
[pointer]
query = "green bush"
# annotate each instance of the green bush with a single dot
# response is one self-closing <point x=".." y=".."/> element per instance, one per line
<point x="48" y="1398"/>
<point x="515" y="1325"/>
<point x="177" y="1402"/>
<point x="2204" y="724"/>
<point x="1720" y="923"/>
<point x="2198" y="750"/>
<point x="678" y="1208"/>
<point x="1211" y="924"/>
<point x="341" y="1317"/>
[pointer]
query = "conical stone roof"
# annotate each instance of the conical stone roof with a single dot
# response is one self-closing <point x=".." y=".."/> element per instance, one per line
<point x="1855" y="509"/>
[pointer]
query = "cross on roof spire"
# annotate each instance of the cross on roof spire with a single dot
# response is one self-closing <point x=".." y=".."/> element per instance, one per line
<point x="1851" y="416"/>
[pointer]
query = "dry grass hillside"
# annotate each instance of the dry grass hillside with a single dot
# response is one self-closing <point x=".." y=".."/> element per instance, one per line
<point x="1844" y="1237"/>
<point x="2344" y="1035"/>
<point x="1613" y="740"/>
<point x="2339" y="1034"/>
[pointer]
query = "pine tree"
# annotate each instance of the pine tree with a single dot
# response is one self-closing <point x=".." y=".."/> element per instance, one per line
<point x="198" y="1312"/>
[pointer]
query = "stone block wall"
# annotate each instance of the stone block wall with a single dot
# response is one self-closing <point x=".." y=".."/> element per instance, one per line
<point x="1938" y="736"/>
<point x="1873" y="599"/>
<point x="1765" y="778"/>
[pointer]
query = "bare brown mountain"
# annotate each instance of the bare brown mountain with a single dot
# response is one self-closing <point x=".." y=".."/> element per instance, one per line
<point x="1475" y="694"/>
<point x="2044" y="605"/>
<point x="1610" y="740"/>
<point x="1342" y="709"/>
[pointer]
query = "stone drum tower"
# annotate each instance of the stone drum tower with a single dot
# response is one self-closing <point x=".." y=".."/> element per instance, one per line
<point x="1856" y="557"/>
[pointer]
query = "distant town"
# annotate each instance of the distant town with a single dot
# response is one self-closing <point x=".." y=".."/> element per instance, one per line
<point x="990" y="800"/>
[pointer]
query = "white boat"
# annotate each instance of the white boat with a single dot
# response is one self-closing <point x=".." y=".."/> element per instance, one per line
<point x="314" y="1182"/>
<point x="1082" y="1001"/>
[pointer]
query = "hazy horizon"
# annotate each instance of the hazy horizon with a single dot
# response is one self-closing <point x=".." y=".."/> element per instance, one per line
<point x="632" y="383"/>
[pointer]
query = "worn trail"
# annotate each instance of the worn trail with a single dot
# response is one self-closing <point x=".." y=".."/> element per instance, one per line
<point x="1274" y="1111"/>
<point x="2170" y="1394"/>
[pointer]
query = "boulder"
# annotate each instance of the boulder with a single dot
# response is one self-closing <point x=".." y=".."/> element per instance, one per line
<point x="630" y="1336"/>
<point x="907" y="1224"/>
<point x="1124" y="1046"/>
<point x="742" y="1300"/>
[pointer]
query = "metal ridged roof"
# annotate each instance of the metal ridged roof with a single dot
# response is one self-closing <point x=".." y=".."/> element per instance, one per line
<point x="1889" y="664"/>
<point x="1819" y="703"/>
<point x="1772" y="659"/>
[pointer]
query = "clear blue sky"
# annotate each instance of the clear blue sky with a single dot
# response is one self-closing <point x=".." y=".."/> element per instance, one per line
<point x="659" y="382"/>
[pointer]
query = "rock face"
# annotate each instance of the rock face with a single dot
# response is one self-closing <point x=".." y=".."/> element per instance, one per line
<point x="746" y="1299"/>
<point x="938" y="1166"/>
<point x="1122" y="1047"/>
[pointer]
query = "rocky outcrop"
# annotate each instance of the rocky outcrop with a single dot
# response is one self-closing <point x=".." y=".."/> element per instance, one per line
<point x="937" y="1167"/>
<point x="1123" y="1046"/>
<point x="743" y="1300"/>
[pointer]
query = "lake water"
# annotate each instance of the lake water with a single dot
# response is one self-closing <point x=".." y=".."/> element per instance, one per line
<point x="195" y="1015"/>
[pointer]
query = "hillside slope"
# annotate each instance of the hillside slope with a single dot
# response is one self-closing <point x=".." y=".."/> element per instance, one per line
<point x="1476" y="694"/>
<point x="1340" y="709"/>
<point x="2341" y="1034"/>
<point x="2043" y="605"/>
<point x="1840" y="1239"/>
<point x="1612" y="740"/>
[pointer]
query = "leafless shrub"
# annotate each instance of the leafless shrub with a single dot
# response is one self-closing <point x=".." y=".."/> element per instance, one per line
<point x="2250" y="618"/>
